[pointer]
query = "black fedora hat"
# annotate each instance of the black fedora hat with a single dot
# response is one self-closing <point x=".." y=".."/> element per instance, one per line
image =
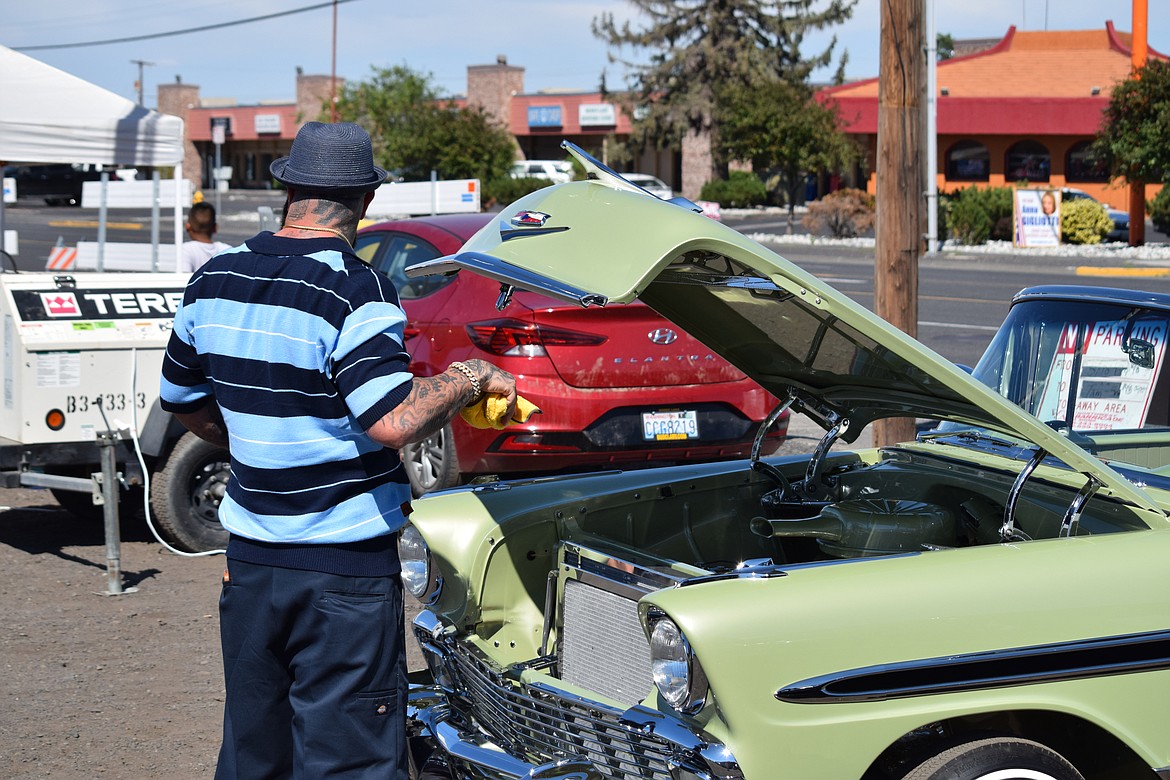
<point x="337" y="159"/>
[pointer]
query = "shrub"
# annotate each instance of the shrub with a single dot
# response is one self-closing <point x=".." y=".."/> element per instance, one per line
<point x="977" y="214"/>
<point x="505" y="189"/>
<point x="944" y="216"/>
<point x="1001" y="209"/>
<point x="1084" y="221"/>
<point x="1159" y="209"/>
<point x="741" y="189"/>
<point x="968" y="221"/>
<point x="844" y="214"/>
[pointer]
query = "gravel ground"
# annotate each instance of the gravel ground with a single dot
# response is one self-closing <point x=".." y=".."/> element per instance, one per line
<point x="126" y="686"/>
<point x="123" y="686"/>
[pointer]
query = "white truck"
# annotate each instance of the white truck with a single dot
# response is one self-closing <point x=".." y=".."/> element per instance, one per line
<point x="80" y="372"/>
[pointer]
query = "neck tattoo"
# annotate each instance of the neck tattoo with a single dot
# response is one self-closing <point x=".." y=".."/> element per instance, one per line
<point x="322" y="229"/>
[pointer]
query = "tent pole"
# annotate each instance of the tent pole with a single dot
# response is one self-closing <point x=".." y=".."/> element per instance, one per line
<point x="178" y="214"/>
<point x="155" y="206"/>
<point x="105" y="190"/>
<point x="3" y="235"/>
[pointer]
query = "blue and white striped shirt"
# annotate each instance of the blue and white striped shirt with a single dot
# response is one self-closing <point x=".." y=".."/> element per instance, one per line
<point x="301" y="345"/>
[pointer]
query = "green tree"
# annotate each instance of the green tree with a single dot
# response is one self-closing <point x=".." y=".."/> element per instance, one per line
<point x="415" y="129"/>
<point x="944" y="46"/>
<point x="1135" y="126"/>
<point x="785" y="133"/>
<point x="698" y="49"/>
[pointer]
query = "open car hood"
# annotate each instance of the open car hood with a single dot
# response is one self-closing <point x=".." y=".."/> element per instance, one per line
<point x="604" y="241"/>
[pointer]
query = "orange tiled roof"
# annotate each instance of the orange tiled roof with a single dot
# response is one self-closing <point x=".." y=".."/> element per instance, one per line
<point x="1048" y="64"/>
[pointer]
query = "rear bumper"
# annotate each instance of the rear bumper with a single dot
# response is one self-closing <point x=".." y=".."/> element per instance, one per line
<point x="591" y="428"/>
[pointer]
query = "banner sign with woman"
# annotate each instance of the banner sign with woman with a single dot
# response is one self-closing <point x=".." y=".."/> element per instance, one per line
<point x="1037" y="218"/>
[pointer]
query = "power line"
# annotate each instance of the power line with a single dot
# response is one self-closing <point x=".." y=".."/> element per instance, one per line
<point x="204" y="28"/>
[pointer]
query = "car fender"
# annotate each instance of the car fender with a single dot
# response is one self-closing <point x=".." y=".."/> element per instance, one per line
<point x="901" y="612"/>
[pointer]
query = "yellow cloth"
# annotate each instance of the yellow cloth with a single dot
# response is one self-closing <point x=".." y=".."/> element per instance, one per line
<point x="489" y="412"/>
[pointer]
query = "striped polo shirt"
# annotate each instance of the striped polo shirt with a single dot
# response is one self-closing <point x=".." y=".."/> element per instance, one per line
<point x="301" y="345"/>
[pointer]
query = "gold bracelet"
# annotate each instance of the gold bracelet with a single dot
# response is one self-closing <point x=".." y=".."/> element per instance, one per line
<point x="465" y="369"/>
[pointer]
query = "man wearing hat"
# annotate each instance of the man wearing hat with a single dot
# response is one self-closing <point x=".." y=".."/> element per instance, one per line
<point x="289" y="350"/>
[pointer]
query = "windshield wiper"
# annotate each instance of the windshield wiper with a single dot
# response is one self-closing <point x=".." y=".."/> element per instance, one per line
<point x="969" y="436"/>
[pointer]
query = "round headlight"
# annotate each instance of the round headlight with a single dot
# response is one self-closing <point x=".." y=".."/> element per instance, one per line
<point x="677" y="672"/>
<point x="416" y="561"/>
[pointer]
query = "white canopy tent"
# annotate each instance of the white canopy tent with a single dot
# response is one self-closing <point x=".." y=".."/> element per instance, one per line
<point x="50" y="116"/>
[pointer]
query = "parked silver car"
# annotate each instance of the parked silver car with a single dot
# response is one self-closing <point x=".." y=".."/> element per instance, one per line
<point x="652" y="184"/>
<point x="556" y="171"/>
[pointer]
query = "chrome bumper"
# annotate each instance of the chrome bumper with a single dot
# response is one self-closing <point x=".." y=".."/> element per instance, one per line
<point x="470" y="752"/>
<point x="428" y="716"/>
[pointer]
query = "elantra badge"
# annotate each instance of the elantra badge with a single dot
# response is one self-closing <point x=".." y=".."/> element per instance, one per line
<point x="530" y="219"/>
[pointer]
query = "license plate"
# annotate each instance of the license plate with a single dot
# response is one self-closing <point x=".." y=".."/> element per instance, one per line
<point x="670" y="426"/>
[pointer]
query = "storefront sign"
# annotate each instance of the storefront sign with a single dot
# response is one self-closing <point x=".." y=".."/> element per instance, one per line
<point x="267" y="123"/>
<point x="544" y="116"/>
<point x="596" y="115"/>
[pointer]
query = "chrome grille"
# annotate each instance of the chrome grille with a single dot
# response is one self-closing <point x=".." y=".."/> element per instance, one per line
<point x="603" y="647"/>
<point x="541" y="724"/>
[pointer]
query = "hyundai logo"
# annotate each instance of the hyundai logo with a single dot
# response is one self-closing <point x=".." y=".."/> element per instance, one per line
<point x="662" y="336"/>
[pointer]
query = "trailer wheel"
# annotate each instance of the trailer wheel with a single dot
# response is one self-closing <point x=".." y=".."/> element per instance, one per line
<point x="186" y="493"/>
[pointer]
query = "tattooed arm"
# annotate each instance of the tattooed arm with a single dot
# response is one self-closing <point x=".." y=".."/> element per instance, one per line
<point x="434" y="401"/>
<point x="206" y="423"/>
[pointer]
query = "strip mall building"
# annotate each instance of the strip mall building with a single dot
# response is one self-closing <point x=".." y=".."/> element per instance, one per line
<point x="1023" y="108"/>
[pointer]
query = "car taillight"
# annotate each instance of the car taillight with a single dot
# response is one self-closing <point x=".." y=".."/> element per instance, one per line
<point x="531" y="443"/>
<point x="526" y="339"/>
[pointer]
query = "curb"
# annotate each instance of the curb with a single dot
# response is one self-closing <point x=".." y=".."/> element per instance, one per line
<point x="1090" y="270"/>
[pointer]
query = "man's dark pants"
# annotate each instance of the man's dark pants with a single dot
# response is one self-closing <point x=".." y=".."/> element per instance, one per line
<point x="315" y="669"/>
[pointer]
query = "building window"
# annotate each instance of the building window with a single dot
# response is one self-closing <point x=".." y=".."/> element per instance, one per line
<point x="968" y="161"/>
<point x="1081" y="165"/>
<point x="1028" y="161"/>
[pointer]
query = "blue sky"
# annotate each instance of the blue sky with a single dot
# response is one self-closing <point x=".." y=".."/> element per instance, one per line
<point x="551" y="39"/>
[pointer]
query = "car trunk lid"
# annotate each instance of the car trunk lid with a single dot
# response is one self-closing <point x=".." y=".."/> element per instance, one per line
<point x="625" y="346"/>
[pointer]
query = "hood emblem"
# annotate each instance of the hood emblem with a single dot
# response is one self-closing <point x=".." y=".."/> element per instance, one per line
<point x="530" y="219"/>
<point x="662" y="336"/>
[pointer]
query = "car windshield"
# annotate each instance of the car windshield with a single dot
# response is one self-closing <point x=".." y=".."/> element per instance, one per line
<point x="1082" y="365"/>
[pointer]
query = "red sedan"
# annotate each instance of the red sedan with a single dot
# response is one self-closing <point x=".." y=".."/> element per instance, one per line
<point x="621" y="389"/>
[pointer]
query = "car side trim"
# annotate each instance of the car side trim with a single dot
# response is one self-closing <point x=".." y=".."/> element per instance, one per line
<point x="1125" y="654"/>
<point x="507" y="233"/>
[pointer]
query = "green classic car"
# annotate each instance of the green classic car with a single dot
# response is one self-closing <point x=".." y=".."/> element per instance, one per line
<point x="991" y="600"/>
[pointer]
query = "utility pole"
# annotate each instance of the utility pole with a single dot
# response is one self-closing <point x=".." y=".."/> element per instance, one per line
<point x="139" y="84"/>
<point x="931" y="160"/>
<point x="333" y="71"/>
<point x="899" y="166"/>
<point x="1139" y="53"/>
